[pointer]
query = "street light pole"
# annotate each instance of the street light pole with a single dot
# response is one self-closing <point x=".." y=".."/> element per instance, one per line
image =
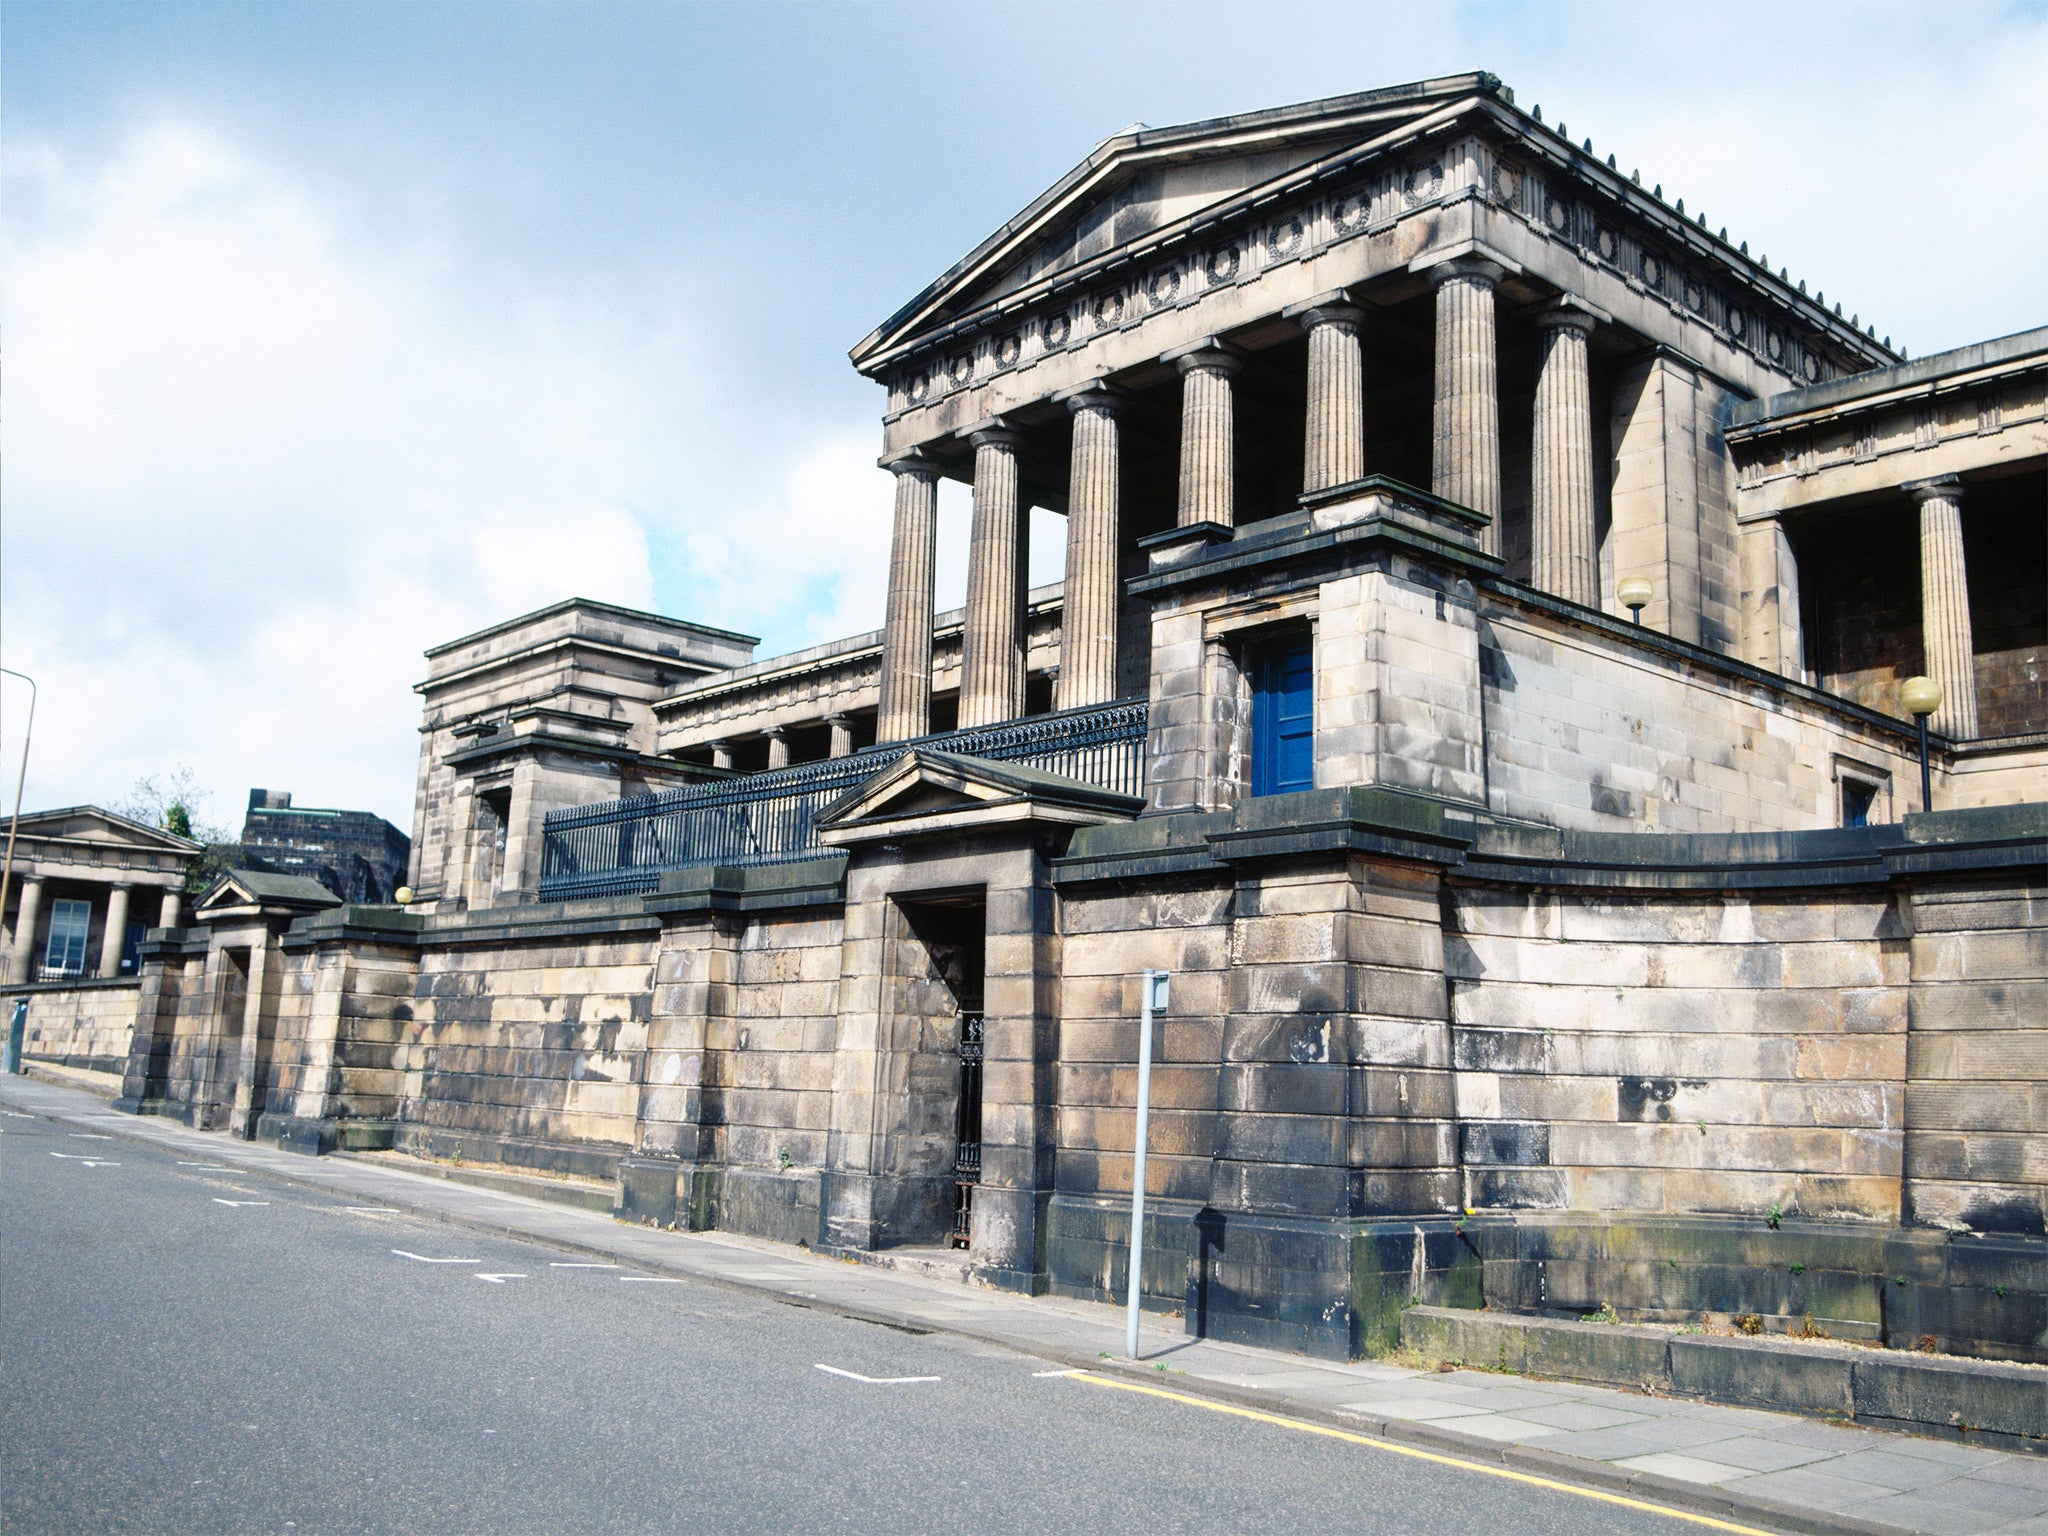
<point x="1922" y="697"/>
<point x="1151" y="994"/>
<point x="21" y="779"/>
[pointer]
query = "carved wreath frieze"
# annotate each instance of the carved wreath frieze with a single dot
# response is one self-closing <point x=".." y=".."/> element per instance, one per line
<point x="1423" y="181"/>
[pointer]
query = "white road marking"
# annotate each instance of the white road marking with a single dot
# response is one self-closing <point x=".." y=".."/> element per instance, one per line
<point x="498" y="1279"/>
<point x="876" y="1381"/>
<point x="216" y="1167"/>
<point x="421" y="1258"/>
<point x="649" y="1280"/>
<point x="1041" y="1375"/>
<point x="85" y="1158"/>
<point x="371" y="1210"/>
<point x="218" y="1201"/>
<point x="87" y="1136"/>
<point x="566" y="1264"/>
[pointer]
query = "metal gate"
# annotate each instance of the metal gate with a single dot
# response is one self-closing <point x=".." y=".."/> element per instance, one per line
<point x="967" y="1161"/>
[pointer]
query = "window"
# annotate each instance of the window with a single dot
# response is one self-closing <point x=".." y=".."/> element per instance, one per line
<point x="1283" y="717"/>
<point x="1857" y="799"/>
<point x="65" y="953"/>
<point x="1862" y="793"/>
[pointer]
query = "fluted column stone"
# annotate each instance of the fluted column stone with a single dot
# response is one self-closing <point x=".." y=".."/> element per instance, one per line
<point x="1465" y="461"/>
<point x="905" y="711"/>
<point x="1088" y="617"/>
<point x="22" y="956"/>
<point x="842" y="735"/>
<point x="1564" y="550"/>
<point x="1945" y="606"/>
<point x="167" y="910"/>
<point x="1334" y="435"/>
<point x="113" y="939"/>
<point x="992" y="638"/>
<point x="778" y="746"/>
<point x="721" y="755"/>
<point x="1208" y="428"/>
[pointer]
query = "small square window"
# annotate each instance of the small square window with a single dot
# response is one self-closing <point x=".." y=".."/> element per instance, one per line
<point x="1858" y="797"/>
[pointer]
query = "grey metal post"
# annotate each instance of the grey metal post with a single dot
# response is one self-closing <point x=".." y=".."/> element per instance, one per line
<point x="1151" y="994"/>
<point x="17" y="1031"/>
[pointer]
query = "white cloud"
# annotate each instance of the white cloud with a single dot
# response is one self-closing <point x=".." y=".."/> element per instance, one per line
<point x="252" y="473"/>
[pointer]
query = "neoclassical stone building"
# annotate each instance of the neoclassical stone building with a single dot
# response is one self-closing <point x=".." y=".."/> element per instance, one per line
<point x="1476" y="678"/>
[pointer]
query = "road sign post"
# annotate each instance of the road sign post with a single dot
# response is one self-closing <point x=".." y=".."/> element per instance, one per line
<point x="1151" y="995"/>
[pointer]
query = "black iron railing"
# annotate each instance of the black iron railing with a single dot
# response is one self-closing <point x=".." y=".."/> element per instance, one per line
<point x="621" y="847"/>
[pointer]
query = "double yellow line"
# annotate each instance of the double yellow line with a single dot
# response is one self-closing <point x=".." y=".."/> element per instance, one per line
<point x="1307" y="1427"/>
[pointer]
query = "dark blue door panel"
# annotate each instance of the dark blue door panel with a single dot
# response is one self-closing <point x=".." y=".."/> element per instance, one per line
<point x="1283" y="719"/>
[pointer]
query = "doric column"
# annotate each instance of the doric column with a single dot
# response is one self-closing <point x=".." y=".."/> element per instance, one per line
<point x="22" y="955"/>
<point x="1208" y="459"/>
<point x="114" y="939"/>
<point x="906" y="706"/>
<point x="167" y="910"/>
<point x="1564" y="554"/>
<point x="842" y="733"/>
<point x="1088" y="618"/>
<point x="992" y="638"/>
<point x="778" y="746"/>
<point x="1334" y="436"/>
<point x="1465" y="464"/>
<point x="1945" y="605"/>
<point x="721" y="755"/>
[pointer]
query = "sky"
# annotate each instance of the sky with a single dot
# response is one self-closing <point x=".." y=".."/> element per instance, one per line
<point x="335" y="331"/>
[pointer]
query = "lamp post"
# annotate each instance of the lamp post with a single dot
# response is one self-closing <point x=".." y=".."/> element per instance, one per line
<point x="21" y="779"/>
<point x="1922" y="697"/>
<point x="1635" y="593"/>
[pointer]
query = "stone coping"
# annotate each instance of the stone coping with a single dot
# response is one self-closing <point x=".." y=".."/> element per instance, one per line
<point x="1981" y="1402"/>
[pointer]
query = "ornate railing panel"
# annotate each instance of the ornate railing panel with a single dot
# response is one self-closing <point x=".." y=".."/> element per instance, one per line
<point x="621" y="847"/>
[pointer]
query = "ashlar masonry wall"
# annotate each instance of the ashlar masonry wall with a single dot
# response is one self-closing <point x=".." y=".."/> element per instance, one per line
<point x="1680" y="1053"/>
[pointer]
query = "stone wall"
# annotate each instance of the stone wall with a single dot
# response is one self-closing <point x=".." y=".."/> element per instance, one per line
<point x="528" y="1050"/>
<point x="1680" y="1053"/>
<point x="1976" y="1147"/>
<point x="87" y="1024"/>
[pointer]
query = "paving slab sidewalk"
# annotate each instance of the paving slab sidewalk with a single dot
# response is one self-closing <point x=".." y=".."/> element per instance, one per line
<point x="1777" y="1471"/>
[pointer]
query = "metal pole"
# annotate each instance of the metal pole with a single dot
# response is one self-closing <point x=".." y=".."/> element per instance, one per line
<point x="1926" y="779"/>
<point x="21" y="779"/>
<point x="1151" y="989"/>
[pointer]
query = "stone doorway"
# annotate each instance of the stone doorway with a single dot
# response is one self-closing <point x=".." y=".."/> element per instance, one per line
<point x="943" y="967"/>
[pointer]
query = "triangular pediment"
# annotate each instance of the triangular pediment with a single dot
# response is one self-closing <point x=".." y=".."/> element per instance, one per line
<point x="1146" y="180"/>
<point x="925" y="791"/>
<point x="248" y="891"/>
<point x="92" y="824"/>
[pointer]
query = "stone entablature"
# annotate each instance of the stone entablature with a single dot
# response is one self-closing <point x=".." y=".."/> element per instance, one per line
<point x="1979" y="408"/>
<point x="841" y="678"/>
<point x="1424" y="184"/>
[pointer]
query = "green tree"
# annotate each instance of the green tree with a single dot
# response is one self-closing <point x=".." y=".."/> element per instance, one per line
<point x="175" y="801"/>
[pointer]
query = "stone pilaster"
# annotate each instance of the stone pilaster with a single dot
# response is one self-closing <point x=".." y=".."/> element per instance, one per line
<point x="1088" y="624"/>
<point x="906" y="704"/>
<point x="1945" y="606"/>
<point x="992" y="639"/>
<point x="1564" y="550"/>
<point x="112" y="940"/>
<point x="1208" y="457"/>
<point x="1334" y="436"/>
<point x="1465" y="461"/>
<point x="21" y="958"/>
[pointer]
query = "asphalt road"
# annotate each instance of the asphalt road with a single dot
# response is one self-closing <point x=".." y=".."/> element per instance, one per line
<point x="188" y="1349"/>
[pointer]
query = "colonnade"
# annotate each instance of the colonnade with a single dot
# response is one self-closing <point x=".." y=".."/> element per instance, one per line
<point x="21" y="965"/>
<point x="1465" y="463"/>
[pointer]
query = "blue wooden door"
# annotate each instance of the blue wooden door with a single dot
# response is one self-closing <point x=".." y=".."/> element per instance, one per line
<point x="1283" y="719"/>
